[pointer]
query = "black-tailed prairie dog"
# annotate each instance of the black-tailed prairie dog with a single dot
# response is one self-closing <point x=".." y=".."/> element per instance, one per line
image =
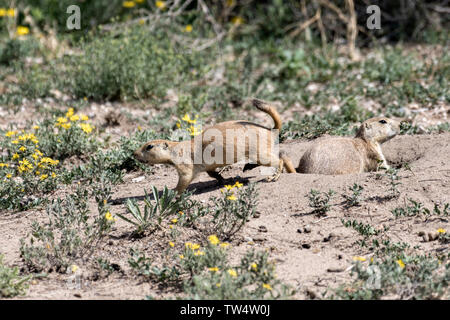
<point x="220" y="145"/>
<point x="343" y="155"/>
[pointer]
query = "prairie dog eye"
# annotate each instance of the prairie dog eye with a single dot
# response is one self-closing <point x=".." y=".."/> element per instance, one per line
<point x="382" y="121"/>
<point x="149" y="147"/>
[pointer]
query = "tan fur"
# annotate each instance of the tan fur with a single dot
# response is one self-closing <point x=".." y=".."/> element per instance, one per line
<point x="169" y="152"/>
<point x="343" y="155"/>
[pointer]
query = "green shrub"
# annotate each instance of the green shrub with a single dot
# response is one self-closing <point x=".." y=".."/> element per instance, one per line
<point x="70" y="234"/>
<point x="11" y="283"/>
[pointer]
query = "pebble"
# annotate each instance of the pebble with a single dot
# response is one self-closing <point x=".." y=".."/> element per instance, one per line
<point x="138" y="179"/>
<point x="306" y="246"/>
<point x="262" y="229"/>
<point x="307" y="229"/>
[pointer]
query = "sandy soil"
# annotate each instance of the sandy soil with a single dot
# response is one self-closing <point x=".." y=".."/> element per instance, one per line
<point x="309" y="261"/>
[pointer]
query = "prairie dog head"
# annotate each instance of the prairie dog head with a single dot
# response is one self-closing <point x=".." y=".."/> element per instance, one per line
<point x="155" y="151"/>
<point x="379" y="129"/>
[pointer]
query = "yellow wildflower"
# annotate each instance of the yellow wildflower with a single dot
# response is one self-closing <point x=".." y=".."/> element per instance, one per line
<point x="199" y="253"/>
<point x="238" y="185"/>
<point x="237" y="21"/>
<point x="441" y="230"/>
<point x="9" y="175"/>
<point x="218" y="285"/>
<point x="229" y="187"/>
<point x="11" y="12"/>
<point x="254" y="266"/>
<point x="213" y="239"/>
<point x="193" y="131"/>
<point x="362" y="259"/>
<point x="35" y="127"/>
<point x="84" y="117"/>
<point x="128" y="4"/>
<point x="74" y="118"/>
<point x="181" y="256"/>
<point x="2" y="12"/>
<point x="232" y="197"/>
<point x="160" y="4"/>
<point x="108" y="216"/>
<point x="174" y="220"/>
<point x="22" y="31"/>
<point x="15" y="156"/>
<point x="66" y="125"/>
<point x="53" y="175"/>
<point x="188" y="28"/>
<point x="74" y="268"/>
<point x="400" y="263"/>
<point x="180" y="213"/>
<point x="214" y="269"/>
<point x="60" y="121"/>
<point x="4" y="165"/>
<point x="43" y="177"/>
<point x="22" y="148"/>
<point x="224" y="245"/>
<point x="14" y="142"/>
<point x="267" y="286"/>
<point x="10" y="133"/>
<point x="229" y="3"/>
<point x="171" y="226"/>
<point x="232" y="272"/>
<point x="171" y="244"/>
<point x="86" y="127"/>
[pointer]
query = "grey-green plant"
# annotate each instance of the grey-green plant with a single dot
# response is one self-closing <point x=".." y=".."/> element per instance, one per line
<point x="12" y="283"/>
<point x="320" y="201"/>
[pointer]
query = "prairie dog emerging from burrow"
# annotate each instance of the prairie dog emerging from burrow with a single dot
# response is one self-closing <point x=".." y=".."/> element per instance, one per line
<point x="343" y="155"/>
<point x="220" y="145"/>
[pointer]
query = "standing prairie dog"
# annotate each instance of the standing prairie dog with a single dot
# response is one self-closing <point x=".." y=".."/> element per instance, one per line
<point x="220" y="145"/>
<point x="343" y="155"/>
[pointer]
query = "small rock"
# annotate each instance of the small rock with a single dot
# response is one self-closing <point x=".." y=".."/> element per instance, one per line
<point x="248" y="239"/>
<point x="138" y="179"/>
<point x="77" y="295"/>
<point x="306" y="245"/>
<point x="257" y="214"/>
<point x="259" y="239"/>
<point x="307" y="229"/>
<point x="262" y="229"/>
<point x="421" y="233"/>
<point x="299" y="230"/>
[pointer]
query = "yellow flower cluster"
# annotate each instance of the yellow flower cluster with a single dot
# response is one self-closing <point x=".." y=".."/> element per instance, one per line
<point x="160" y="4"/>
<point x="131" y="4"/>
<point x="109" y="216"/>
<point x="228" y="187"/>
<point x="30" y="159"/>
<point x="11" y="12"/>
<point x="22" y="31"/>
<point x="192" y="129"/>
<point x="71" y="117"/>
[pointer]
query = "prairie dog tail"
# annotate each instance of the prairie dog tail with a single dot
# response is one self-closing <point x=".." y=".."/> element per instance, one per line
<point x="287" y="163"/>
<point x="270" y="110"/>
